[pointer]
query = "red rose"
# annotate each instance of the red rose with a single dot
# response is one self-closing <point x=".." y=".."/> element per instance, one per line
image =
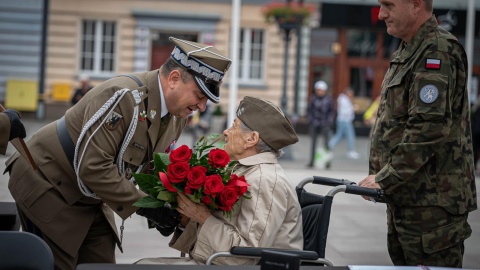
<point x="218" y="158"/>
<point x="239" y="182"/>
<point x="188" y="190"/>
<point x="213" y="185"/>
<point x="177" y="172"/>
<point x="196" y="177"/>
<point x="206" y="200"/>
<point x="228" y="197"/>
<point x="181" y="154"/>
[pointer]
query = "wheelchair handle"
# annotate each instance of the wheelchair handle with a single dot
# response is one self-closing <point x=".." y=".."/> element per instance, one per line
<point x="370" y="192"/>
<point x="327" y="181"/>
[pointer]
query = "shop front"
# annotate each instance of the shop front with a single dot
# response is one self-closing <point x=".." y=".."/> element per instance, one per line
<point x="352" y="48"/>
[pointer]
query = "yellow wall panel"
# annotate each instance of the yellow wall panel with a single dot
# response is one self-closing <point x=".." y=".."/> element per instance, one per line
<point x="61" y="92"/>
<point x="22" y="95"/>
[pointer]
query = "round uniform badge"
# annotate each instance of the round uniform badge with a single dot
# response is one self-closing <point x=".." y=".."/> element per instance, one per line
<point x="429" y="93"/>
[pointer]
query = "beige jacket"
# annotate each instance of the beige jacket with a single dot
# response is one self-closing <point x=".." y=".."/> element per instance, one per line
<point x="271" y="218"/>
<point x="66" y="219"/>
<point x="4" y="132"/>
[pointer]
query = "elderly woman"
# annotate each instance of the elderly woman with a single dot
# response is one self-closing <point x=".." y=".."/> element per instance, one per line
<point x="271" y="218"/>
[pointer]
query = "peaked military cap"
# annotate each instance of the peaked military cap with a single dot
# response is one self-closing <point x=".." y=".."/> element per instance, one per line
<point x="268" y="120"/>
<point x="204" y="62"/>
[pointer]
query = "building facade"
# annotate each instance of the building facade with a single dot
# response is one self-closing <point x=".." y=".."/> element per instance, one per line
<point x="344" y="44"/>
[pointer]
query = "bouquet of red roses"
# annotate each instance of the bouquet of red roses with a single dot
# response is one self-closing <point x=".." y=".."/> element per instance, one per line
<point x="203" y="174"/>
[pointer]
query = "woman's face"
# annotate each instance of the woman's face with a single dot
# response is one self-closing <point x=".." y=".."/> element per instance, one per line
<point x="235" y="140"/>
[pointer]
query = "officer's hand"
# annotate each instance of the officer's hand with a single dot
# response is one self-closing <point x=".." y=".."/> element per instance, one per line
<point x="16" y="127"/>
<point x="165" y="218"/>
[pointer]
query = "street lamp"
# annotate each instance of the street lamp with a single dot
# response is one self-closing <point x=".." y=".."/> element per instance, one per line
<point x="287" y="28"/>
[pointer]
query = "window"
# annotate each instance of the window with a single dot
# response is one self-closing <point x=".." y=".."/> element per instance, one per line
<point x="98" y="47"/>
<point x="251" y="56"/>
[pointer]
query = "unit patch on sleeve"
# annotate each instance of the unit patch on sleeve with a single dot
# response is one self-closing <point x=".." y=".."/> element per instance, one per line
<point x="429" y="93"/>
<point x="113" y="120"/>
<point x="433" y="63"/>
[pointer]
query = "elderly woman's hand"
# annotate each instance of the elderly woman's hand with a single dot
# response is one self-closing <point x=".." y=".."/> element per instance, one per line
<point x="194" y="211"/>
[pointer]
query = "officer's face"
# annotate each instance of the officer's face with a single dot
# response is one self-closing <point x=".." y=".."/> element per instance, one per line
<point x="185" y="99"/>
<point x="399" y="16"/>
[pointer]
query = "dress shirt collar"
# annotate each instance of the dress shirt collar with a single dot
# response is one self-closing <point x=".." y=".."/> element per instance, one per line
<point x="164" y="109"/>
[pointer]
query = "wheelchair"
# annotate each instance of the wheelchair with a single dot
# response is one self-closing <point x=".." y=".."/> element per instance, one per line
<point x="316" y="210"/>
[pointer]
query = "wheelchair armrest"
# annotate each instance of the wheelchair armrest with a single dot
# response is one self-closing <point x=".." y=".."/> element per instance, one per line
<point x="257" y="252"/>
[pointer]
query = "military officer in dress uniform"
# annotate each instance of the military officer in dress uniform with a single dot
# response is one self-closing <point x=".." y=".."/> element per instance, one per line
<point x="10" y="128"/>
<point x="421" y="147"/>
<point x="86" y="159"/>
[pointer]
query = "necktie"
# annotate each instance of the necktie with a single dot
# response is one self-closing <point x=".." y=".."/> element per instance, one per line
<point x="164" y="123"/>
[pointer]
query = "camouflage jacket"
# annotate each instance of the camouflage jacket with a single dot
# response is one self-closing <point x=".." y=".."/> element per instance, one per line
<point x="421" y="150"/>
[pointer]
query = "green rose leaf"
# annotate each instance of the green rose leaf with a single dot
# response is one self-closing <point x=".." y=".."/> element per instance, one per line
<point x="166" y="195"/>
<point x="161" y="161"/>
<point x="196" y="197"/>
<point x="147" y="182"/>
<point x="148" y="202"/>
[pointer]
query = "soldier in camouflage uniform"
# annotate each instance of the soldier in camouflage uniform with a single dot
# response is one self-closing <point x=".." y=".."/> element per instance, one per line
<point x="421" y="149"/>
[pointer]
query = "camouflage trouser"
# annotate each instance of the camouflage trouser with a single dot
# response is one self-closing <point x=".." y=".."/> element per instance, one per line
<point x="427" y="236"/>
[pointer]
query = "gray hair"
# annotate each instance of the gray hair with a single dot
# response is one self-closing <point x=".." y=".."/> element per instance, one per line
<point x="261" y="145"/>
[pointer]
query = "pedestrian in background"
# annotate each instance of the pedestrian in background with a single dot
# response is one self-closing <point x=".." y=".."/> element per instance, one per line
<point x="344" y="127"/>
<point x="421" y="150"/>
<point x="86" y="159"/>
<point x="85" y="86"/>
<point x="321" y="115"/>
<point x="370" y="115"/>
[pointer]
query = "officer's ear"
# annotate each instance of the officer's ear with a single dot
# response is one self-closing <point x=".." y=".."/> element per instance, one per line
<point x="174" y="78"/>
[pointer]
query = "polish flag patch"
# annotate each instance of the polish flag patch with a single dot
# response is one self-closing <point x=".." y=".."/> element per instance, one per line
<point x="433" y="64"/>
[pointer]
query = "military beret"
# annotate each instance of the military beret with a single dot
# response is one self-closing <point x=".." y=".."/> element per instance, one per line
<point x="268" y="120"/>
<point x="204" y="62"/>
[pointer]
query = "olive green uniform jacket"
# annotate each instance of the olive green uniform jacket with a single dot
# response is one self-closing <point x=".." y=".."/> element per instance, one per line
<point x="4" y="132"/>
<point x="66" y="219"/>
<point x="421" y="151"/>
<point x="421" y="148"/>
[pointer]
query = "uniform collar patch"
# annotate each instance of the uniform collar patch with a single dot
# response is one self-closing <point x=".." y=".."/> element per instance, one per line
<point x="113" y="120"/>
<point x="429" y="93"/>
<point x="153" y="113"/>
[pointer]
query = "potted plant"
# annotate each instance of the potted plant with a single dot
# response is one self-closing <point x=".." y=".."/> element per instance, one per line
<point x="287" y="12"/>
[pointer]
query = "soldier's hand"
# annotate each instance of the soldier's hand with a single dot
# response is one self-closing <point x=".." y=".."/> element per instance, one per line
<point x="17" y="130"/>
<point x="165" y="218"/>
